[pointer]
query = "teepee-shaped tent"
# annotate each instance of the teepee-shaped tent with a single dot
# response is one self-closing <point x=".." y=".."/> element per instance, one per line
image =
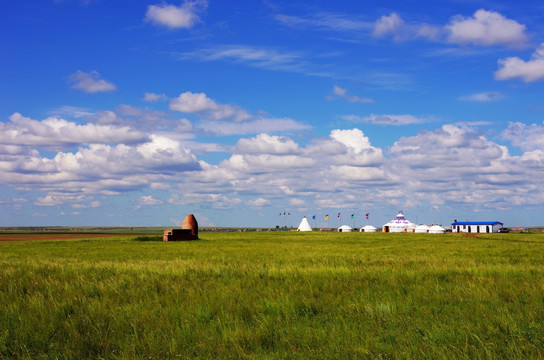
<point x="304" y="225"/>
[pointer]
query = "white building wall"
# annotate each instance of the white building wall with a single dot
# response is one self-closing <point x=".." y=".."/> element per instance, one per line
<point x="479" y="229"/>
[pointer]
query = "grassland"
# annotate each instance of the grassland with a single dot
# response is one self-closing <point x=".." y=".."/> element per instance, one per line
<point x="279" y="295"/>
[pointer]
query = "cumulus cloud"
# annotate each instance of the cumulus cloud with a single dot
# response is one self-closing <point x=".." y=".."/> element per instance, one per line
<point x="173" y="17"/>
<point x="483" y="28"/>
<point x="264" y="143"/>
<point x="339" y="92"/>
<point x="59" y="132"/>
<point x="486" y="28"/>
<point x="99" y="168"/>
<point x="207" y="108"/>
<point x="482" y="97"/>
<point x="527" y="137"/>
<point x="396" y="120"/>
<point x="528" y="71"/>
<point x="459" y="166"/>
<point x="90" y="82"/>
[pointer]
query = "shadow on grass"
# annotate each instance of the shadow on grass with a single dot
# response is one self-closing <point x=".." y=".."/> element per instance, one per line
<point x="148" y="238"/>
<point x="159" y="239"/>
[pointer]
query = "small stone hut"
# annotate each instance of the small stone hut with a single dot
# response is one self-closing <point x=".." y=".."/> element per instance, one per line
<point x="188" y="231"/>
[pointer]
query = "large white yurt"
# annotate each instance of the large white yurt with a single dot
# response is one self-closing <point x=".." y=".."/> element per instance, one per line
<point x="422" y="229"/>
<point x="304" y="225"/>
<point x="344" y="228"/>
<point x="368" y="228"/>
<point x="436" y="229"/>
<point x="399" y="224"/>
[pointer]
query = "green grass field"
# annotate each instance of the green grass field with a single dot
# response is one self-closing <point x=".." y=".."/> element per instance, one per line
<point x="279" y="295"/>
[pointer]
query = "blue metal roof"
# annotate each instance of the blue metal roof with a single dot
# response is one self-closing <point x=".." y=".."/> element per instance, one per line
<point x="476" y="223"/>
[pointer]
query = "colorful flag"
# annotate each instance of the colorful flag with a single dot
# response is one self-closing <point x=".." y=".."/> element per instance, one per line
<point x="339" y="215"/>
<point x="352" y="215"/>
<point x="367" y="216"/>
<point x="313" y="217"/>
<point x="326" y="217"/>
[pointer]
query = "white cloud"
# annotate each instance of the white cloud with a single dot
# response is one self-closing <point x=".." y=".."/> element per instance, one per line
<point x="393" y="25"/>
<point x="98" y="168"/>
<point x="396" y="120"/>
<point x="527" y="137"/>
<point x="59" y="132"/>
<point x="173" y="17"/>
<point x="528" y="71"/>
<point x="389" y="25"/>
<point x="264" y="143"/>
<point x="342" y="93"/>
<point x="259" y="203"/>
<point x="207" y="108"/>
<point x="482" y="97"/>
<point x="90" y="82"/>
<point x="149" y="201"/>
<point x="486" y="28"/>
<point x="152" y="97"/>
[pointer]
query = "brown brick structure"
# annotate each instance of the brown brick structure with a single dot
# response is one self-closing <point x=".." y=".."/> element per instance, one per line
<point x="188" y="231"/>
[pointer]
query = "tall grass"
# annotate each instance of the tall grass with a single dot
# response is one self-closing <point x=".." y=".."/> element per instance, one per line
<point x="275" y="295"/>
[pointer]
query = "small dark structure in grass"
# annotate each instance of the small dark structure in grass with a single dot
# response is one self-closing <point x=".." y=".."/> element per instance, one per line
<point x="188" y="231"/>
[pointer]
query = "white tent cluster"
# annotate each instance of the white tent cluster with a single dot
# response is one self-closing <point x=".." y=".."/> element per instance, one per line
<point x="398" y="225"/>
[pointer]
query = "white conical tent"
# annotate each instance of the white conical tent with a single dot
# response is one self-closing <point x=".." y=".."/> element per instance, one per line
<point x="304" y="225"/>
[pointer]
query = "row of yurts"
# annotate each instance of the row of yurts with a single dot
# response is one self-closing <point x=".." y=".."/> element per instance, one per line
<point x="398" y="224"/>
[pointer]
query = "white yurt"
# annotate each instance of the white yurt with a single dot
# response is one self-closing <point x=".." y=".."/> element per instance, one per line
<point x="344" y="228"/>
<point x="422" y="229"/>
<point x="368" y="228"/>
<point x="436" y="229"/>
<point x="399" y="224"/>
<point x="304" y="225"/>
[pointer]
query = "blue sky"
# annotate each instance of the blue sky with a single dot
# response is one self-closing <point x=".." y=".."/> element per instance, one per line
<point x="139" y="112"/>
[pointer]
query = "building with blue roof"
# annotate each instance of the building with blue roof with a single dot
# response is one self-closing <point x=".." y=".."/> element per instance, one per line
<point x="476" y="226"/>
